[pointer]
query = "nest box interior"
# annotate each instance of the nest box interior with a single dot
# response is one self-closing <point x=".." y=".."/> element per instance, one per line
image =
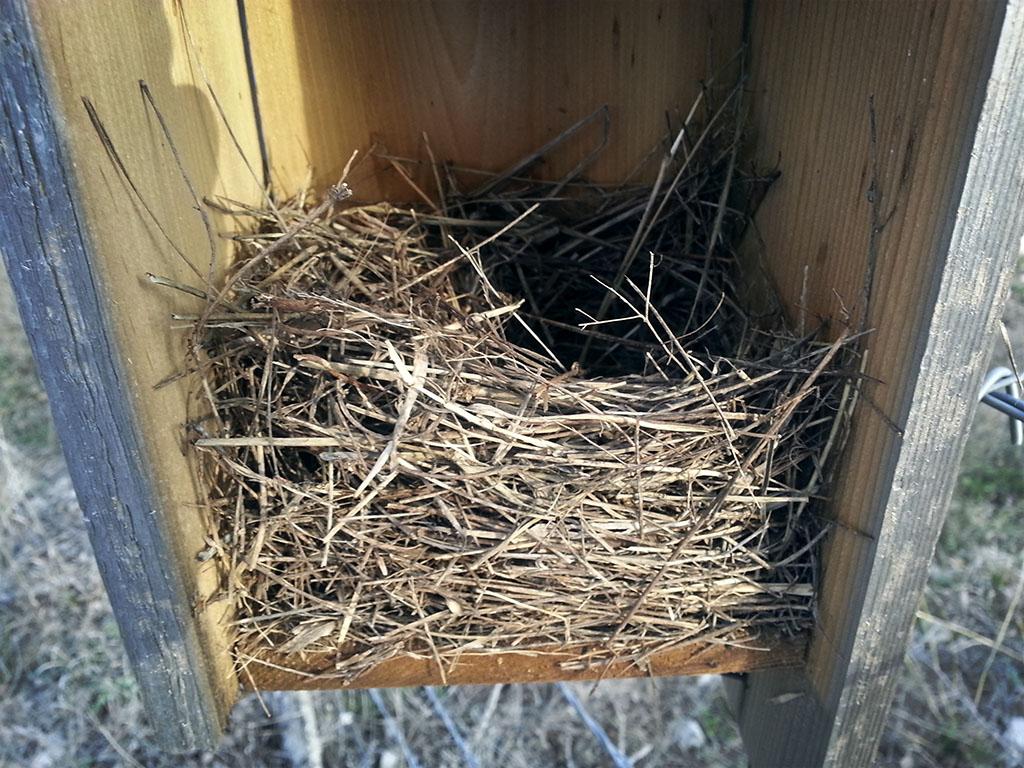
<point x="868" y="110"/>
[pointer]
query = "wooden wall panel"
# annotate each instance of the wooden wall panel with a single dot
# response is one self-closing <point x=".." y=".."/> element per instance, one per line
<point x="943" y="235"/>
<point x="99" y="51"/>
<point x="488" y="81"/>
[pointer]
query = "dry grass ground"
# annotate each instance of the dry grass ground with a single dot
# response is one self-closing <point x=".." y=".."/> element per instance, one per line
<point x="67" y="697"/>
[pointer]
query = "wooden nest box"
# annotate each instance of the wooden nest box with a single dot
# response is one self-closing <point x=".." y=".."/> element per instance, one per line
<point x="893" y="125"/>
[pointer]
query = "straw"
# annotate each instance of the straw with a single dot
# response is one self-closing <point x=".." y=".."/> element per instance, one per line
<point x="475" y="429"/>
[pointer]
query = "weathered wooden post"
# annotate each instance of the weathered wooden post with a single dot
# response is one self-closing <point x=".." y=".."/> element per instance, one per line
<point x="898" y="126"/>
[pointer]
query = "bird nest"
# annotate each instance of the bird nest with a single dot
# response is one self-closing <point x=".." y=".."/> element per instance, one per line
<point x="532" y="415"/>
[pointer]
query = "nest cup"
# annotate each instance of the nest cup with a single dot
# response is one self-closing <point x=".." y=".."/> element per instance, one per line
<point x="521" y="416"/>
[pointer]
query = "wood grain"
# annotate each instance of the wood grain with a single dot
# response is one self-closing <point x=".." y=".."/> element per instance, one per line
<point x="78" y="245"/>
<point x="521" y="667"/>
<point x="947" y="180"/>
<point x="487" y="81"/>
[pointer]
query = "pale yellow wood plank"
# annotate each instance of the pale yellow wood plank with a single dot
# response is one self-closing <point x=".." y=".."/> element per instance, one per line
<point x="487" y="81"/>
<point x="99" y="51"/>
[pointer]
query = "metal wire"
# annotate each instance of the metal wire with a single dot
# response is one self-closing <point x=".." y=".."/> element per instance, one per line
<point x="1001" y="390"/>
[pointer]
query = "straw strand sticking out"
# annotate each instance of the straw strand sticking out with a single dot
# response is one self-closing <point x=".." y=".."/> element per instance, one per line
<point x="429" y="439"/>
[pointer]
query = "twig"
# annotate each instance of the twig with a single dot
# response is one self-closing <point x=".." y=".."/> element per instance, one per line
<point x="394" y="729"/>
<point x="1011" y="612"/>
<point x="464" y="749"/>
<point x="618" y="758"/>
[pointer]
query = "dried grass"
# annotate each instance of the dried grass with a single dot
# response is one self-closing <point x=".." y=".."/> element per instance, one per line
<point x="527" y="416"/>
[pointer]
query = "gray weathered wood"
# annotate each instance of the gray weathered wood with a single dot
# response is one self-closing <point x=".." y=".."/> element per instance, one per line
<point x="50" y="265"/>
<point x="809" y="718"/>
<point x="830" y="712"/>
